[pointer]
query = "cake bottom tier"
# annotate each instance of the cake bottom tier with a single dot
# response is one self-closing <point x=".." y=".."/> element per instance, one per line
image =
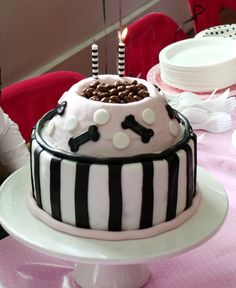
<point x="113" y="235"/>
<point x="114" y="200"/>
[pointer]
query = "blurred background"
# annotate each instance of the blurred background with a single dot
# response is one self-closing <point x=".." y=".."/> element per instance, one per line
<point x="38" y="36"/>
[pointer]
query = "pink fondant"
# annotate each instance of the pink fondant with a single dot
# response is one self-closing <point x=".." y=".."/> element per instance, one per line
<point x="109" y="235"/>
<point x="85" y="109"/>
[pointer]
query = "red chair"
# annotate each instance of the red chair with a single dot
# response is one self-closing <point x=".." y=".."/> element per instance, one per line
<point x="145" y="38"/>
<point x="206" y="13"/>
<point x="26" y="101"/>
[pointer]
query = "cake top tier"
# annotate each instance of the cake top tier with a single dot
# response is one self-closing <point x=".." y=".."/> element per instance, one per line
<point x="139" y="121"/>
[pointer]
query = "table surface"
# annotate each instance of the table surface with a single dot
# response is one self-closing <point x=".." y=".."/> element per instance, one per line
<point x="209" y="265"/>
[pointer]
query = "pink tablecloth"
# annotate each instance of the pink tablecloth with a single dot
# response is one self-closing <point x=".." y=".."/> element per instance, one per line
<point x="211" y="265"/>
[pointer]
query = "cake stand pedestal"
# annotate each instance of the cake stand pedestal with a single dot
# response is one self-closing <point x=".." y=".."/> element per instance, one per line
<point x="110" y="264"/>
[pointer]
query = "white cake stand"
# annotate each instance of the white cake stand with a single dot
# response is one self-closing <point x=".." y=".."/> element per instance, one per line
<point x="113" y="264"/>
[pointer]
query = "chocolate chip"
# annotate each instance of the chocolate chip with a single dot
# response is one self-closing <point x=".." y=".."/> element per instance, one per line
<point x="102" y="88"/>
<point x="105" y="99"/>
<point x="114" y="91"/>
<point x="122" y="94"/>
<point x="121" y="88"/>
<point x="94" y="98"/>
<point x="94" y="84"/>
<point x="103" y="94"/>
<point x="143" y="93"/>
<point x="115" y="98"/>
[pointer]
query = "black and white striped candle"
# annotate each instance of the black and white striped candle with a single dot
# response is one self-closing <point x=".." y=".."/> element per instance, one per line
<point x="121" y="59"/>
<point x="95" y="61"/>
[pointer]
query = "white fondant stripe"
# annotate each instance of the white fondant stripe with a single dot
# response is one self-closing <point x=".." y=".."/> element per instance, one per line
<point x="44" y="168"/>
<point x="98" y="197"/>
<point x="182" y="182"/>
<point x="160" y="185"/>
<point x="68" y="172"/>
<point x="132" y="180"/>
<point x="191" y="144"/>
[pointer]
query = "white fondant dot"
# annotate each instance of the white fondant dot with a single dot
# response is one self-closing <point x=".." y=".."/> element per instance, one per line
<point x="71" y="123"/>
<point x="101" y="116"/>
<point x="120" y="140"/>
<point x="149" y="116"/>
<point x="50" y="128"/>
<point x="173" y="128"/>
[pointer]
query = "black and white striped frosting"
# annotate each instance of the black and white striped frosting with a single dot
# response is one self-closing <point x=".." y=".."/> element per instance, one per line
<point x="114" y="194"/>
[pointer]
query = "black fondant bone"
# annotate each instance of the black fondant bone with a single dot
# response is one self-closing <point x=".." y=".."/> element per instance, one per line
<point x="59" y="109"/>
<point x="131" y="123"/>
<point x="158" y="88"/>
<point x="91" y="135"/>
<point x="173" y="114"/>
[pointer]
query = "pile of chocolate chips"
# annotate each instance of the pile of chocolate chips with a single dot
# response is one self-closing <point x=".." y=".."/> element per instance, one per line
<point x="120" y="92"/>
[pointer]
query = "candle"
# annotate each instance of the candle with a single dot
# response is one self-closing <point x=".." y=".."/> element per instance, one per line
<point x="95" y="60"/>
<point x="121" y="59"/>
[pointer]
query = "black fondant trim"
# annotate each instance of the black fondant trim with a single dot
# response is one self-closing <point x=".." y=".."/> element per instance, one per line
<point x="188" y="134"/>
<point x="81" y="195"/>
<point x="115" y="196"/>
<point x="173" y="175"/>
<point x="55" y="187"/>
<point x="37" y="177"/>
<point x="146" y="218"/>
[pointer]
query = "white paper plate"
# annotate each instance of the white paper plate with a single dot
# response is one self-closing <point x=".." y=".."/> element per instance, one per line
<point x="225" y="31"/>
<point x="198" y="53"/>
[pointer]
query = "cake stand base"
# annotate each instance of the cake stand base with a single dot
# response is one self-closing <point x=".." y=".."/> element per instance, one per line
<point x="111" y="276"/>
<point x="110" y="264"/>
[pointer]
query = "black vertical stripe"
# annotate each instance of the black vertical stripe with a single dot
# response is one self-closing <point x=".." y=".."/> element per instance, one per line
<point x="115" y="196"/>
<point x="146" y="219"/>
<point x="81" y="195"/>
<point x="194" y="138"/>
<point x="31" y="167"/>
<point x="55" y="187"/>
<point x="37" y="177"/>
<point x="173" y="170"/>
<point x="190" y="176"/>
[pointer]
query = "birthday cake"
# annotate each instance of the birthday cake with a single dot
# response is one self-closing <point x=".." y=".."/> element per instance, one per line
<point x="113" y="161"/>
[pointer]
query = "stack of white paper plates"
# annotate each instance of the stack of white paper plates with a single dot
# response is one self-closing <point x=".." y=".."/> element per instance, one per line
<point x="199" y="65"/>
<point x="225" y="31"/>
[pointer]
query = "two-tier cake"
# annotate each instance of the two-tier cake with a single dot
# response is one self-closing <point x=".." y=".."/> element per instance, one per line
<point x="113" y="161"/>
